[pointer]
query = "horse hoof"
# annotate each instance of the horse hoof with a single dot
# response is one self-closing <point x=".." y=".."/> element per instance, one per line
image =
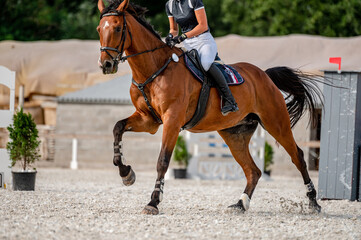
<point x="150" y="210"/>
<point x="315" y="207"/>
<point x="238" y="206"/>
<point x="129" y="179"/>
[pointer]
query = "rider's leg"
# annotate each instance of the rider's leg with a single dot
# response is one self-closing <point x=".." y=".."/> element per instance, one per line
<point x="207" y="50"/>
<point x="230" y="104"/>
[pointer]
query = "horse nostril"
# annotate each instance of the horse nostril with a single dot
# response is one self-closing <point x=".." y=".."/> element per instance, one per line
<point x="108" y="64"/>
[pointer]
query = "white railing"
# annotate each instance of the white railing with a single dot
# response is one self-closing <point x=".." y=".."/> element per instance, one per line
<point x="7" y="78"/>
<point x="212" y="159"/>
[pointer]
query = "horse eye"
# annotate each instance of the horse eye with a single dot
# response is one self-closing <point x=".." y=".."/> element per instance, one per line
<point x="118" y="29"/>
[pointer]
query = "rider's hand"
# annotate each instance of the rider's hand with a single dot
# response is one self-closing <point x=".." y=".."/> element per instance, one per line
<point x="169" y="40"/>
<point x="179" y="39"/>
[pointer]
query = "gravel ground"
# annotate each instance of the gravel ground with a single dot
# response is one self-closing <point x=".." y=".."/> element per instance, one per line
<point x="93" y="204"/>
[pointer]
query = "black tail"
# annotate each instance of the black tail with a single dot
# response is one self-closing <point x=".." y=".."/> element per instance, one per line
<point x="301" y="89"/>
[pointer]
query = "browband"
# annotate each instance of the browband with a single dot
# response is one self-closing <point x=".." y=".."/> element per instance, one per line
<point x="112" y="13"/>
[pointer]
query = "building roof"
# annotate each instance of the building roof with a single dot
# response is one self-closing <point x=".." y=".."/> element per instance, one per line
<point x="115" y="91"/>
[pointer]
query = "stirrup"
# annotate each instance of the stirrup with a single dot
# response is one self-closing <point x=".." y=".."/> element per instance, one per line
<point x="231" y="107"/>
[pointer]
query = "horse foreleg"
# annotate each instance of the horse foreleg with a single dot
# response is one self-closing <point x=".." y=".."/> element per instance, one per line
<point x="169" y="139"/>
<point x="135" y="123"/>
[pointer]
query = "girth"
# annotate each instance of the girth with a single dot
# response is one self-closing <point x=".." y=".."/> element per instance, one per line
<point x="203" y="95"/>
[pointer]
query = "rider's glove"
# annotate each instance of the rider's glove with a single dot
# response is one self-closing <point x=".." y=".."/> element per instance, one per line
<point x="179" y="39"/>
<point x="169" y="40"/>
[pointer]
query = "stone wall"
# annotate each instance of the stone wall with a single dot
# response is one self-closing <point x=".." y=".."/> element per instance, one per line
<point x="93" y="126"/>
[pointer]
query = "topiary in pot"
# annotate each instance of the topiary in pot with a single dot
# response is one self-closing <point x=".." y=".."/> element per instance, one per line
<point x="23" y="149"/>
<point x="268" y="158"/>
<point x="181" y="156"/>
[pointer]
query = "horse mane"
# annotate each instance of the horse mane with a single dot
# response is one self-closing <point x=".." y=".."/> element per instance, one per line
<point x="138" y="12"/>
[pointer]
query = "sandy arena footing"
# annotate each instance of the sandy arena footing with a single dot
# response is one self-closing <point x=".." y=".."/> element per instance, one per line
<point x="94" y="204"/>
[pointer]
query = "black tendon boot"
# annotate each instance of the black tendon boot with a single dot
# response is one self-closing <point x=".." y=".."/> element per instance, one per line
<point x="230" y="104"/>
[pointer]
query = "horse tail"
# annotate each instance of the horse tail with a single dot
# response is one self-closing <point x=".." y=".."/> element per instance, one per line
<point x="301" y="91"/>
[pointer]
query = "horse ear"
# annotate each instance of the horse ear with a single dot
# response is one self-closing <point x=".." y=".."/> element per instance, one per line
<point x="101" y="5"/>
<point x="123" y="6"/>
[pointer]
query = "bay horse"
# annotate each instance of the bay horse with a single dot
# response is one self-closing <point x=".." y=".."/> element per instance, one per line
<point x="165" y="92"/>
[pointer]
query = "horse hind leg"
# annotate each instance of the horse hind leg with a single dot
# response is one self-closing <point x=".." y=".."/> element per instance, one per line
<point x="310" y="188"/>
<point x="237" y="138"/>
<point x="277" y="123"/>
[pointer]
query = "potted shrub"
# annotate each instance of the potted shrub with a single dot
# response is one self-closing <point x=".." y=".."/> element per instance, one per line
<point x="23" y="149"/>
<point x="181" y="156"/>
<point x="268" y="158"/>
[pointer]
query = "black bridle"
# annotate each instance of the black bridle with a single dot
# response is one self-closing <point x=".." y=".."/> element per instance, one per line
<point x="119" y="57"/>
<point x="123" y="38"/>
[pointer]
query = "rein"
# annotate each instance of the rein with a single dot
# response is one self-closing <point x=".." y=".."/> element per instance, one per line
<point x="141" y="86"/>
<point x="119" y="57"/>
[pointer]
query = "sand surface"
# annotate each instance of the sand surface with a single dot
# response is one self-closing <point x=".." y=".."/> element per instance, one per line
<point x="93" y="204"/>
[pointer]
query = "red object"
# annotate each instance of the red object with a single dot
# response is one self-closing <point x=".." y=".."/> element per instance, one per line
<point x="336" y="60"/>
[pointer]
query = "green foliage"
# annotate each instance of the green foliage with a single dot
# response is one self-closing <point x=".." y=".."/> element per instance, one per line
<point x="154" y="7"/>
<point x="81" y="24"/>
<point x="279" y="17"/>
<point x="181" y="155"/>
<point x="160" y="23"/>
<point x="268" y="156"/>
<point x="28" y="20"/>
<point x="24" y="143"/>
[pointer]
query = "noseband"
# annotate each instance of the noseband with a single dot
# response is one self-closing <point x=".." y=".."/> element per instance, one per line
<point x="125" y="30"/>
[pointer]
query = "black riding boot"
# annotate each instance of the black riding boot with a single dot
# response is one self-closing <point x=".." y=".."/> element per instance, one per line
<point x="230" y="104"/>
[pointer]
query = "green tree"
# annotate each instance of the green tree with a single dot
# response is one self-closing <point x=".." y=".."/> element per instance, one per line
<point x="181" y="155"/>
<point x="27" y="20"/>
<point x="24" y="143"/>
<point x="268" y="156"/>
<point x="279" y="17"/>
<point x="80" y="24"/>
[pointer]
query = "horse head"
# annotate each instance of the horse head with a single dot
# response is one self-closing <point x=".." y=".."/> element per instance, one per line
<point x="115" y="38"/>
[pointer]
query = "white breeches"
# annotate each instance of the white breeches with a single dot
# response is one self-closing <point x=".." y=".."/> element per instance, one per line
<point x="206" y="47"/>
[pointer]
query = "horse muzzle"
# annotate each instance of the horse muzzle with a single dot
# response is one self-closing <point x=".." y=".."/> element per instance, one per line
<point x="108" y="66"/>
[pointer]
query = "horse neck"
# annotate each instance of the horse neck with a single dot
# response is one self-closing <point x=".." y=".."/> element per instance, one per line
<point x="144" y="65"/>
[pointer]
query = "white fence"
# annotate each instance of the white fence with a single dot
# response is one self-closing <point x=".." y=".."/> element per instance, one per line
<point x="7" y="78"/>
<point x="212" y="159"/>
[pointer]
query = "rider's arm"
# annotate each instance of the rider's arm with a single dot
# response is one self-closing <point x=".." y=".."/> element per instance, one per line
<point x="202" y="23"/>
<point x="173" y="26"/>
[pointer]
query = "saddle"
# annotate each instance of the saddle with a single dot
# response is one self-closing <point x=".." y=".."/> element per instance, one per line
<point x="193" y="63"/>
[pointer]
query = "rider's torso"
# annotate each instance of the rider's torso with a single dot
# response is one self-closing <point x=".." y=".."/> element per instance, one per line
<point x="183" y="12"/>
